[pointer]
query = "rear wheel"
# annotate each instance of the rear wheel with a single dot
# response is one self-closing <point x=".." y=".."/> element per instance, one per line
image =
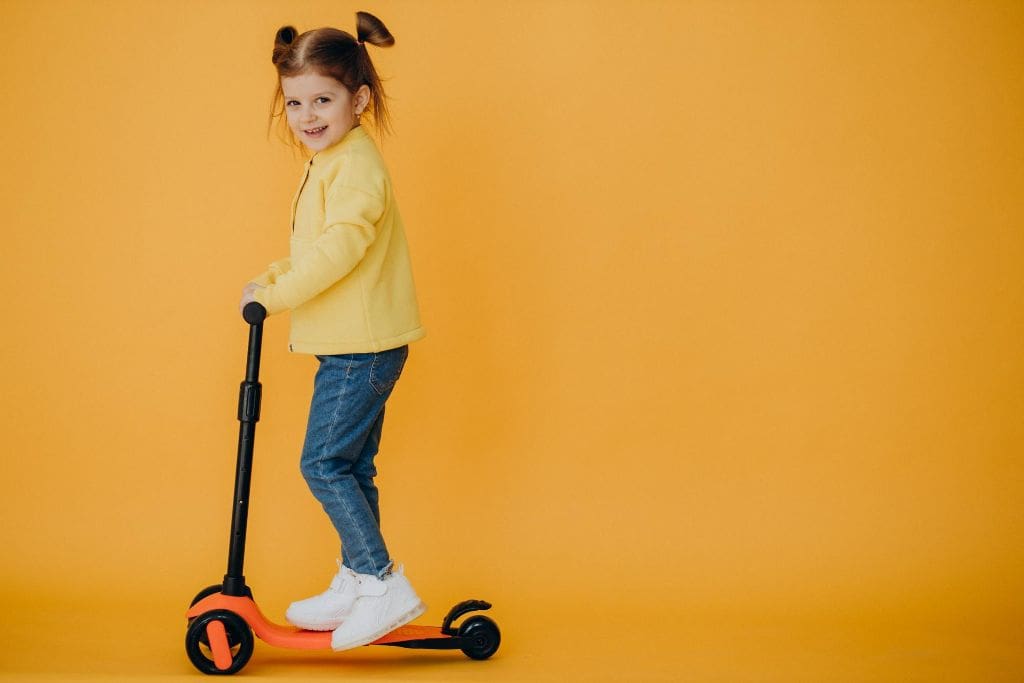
<point x="482" y="635"/>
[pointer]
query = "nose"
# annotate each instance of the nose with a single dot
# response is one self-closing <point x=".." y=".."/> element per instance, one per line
<point x="306" y="115"/>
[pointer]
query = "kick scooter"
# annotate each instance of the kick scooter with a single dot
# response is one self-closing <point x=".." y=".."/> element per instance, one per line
<point x="223" y="617"/>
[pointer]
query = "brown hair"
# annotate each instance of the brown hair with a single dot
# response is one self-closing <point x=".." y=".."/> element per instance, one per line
<point x="335" y="53"/>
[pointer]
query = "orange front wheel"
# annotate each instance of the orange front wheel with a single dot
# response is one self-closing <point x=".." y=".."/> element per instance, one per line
<point x="218" y="642"/>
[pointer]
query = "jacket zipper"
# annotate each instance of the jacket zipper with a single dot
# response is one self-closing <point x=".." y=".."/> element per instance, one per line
<point x="296" y="209"/>
<point x="299" y="195"/>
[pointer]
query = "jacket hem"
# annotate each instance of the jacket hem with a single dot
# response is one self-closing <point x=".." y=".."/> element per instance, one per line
<point x="361" y="346"/>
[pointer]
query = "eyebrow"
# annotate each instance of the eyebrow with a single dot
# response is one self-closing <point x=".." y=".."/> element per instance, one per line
<point x="322" y="92"/>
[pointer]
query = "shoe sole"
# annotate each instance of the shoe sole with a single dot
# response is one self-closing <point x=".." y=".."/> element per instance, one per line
<point x="316" y="625"/>
<point x="325" y="626"/>
<point x="400" y="621"/>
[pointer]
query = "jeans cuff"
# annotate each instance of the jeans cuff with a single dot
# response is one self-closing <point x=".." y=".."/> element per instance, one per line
<point x="387" y="570"/>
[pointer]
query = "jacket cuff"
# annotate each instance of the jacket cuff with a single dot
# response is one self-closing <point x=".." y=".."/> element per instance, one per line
<point x="268" y="298"/>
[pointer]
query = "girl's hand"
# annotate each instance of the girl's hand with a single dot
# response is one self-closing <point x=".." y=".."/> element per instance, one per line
<point x="247" y="293"/>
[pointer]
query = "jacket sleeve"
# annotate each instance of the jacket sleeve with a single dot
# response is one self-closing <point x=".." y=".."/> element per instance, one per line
<point x="270" y="275"/>
<point x="350" y="226"/>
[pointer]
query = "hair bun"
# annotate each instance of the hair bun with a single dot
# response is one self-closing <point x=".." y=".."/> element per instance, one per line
<point x="370" y="29"/>
<point x="285" y="35"/>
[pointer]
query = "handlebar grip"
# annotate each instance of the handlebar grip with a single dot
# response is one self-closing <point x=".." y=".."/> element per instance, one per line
<point x="254" y="313"/>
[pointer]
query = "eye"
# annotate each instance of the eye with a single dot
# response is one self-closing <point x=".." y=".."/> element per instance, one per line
<point x="322" y="97"/>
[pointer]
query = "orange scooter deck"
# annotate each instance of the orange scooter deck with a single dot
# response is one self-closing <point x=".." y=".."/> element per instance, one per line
<point x="297" y="638"/>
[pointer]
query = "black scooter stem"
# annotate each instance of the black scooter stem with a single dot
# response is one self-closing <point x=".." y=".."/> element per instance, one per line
<point x="249" y="396"/>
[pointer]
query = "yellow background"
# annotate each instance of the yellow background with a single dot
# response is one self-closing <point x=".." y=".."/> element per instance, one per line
<point x="723" y="374"/>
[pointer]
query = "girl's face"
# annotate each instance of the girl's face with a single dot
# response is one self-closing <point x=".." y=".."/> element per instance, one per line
<point x="320" y="109"/>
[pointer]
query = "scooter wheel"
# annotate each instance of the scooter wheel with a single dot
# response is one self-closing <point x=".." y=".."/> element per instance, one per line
<point x="239" y="637"/>
<point x="483" y="636"/>
<point x="212" y="590"/>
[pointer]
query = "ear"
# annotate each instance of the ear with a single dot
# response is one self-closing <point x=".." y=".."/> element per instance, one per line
<point x="362" y="97"/>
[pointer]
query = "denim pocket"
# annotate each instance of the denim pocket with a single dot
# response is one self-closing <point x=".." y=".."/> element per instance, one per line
<point x="386" y="369"/>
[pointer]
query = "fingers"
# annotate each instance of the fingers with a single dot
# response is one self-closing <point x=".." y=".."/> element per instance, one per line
<point x="246" y="298"/>
<point x="248" y="295"/>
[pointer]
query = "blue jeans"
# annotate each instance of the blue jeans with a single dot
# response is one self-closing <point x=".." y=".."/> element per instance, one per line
<point x="342" y="437"/>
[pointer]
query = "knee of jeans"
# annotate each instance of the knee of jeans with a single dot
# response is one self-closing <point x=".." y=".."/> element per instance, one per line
<point x="323" y="468"/>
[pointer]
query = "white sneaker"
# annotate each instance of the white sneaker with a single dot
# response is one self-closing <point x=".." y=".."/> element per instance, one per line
<point x="381" y="607"/>
<point x="325" y="612"/>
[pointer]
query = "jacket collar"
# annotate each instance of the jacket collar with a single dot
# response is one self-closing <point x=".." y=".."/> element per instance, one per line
<point x="354" y="133"/>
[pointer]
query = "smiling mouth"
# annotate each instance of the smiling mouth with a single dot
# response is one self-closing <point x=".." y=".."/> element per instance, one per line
<point x="315" y="131"/>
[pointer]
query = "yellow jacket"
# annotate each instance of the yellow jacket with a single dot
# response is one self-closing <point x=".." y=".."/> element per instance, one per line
<point x="348" y="281"/>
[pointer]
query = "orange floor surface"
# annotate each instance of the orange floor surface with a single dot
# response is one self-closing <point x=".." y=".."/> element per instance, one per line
<point x="85" y="641"/>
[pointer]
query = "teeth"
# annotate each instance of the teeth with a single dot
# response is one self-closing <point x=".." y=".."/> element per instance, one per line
<point x="316" y="130"/>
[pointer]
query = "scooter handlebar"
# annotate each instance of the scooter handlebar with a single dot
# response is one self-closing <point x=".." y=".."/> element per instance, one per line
<point x="254" y="313"/>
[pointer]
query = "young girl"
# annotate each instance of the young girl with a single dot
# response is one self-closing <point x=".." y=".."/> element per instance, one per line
<point x="349" y="286"/>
